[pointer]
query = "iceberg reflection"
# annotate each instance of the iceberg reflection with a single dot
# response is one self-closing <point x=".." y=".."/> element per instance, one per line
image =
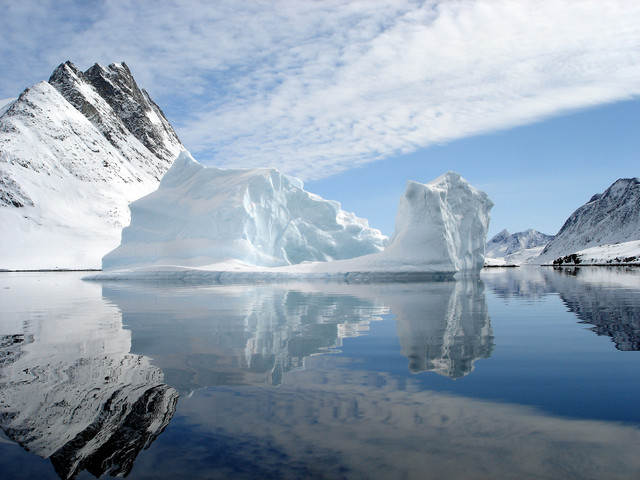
<point x="443" y="326"/>
<point x="251" y="335"/>
<point x="90" y="374"/>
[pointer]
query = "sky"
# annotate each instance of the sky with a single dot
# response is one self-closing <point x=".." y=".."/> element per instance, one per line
<point x="536" y="102"/>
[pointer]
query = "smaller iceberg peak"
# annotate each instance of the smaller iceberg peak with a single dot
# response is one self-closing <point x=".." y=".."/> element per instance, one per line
<point x="183" y="168"/>
<point x="441" y="223"/>
<point x="448" y="177"/>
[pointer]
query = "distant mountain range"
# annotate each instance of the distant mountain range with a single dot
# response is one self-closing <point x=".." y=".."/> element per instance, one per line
<point x="74" y="152"/>
<point x="520" y="247"/>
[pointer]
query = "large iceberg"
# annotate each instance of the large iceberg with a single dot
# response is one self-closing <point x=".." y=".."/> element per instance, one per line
<point x="200" y="216"/>
<point x="225" y="225"/>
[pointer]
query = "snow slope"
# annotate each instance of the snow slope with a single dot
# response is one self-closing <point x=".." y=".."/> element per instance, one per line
<point x="69" y="166"/>
<point x="608" y="218"/>
<point x="200" y="216"/>
<point x="440" y="229"/>
<point x="5" y="103"/>
<point x="627" y="253"/>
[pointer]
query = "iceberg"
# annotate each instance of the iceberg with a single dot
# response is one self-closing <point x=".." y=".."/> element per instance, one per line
<point x="214" y="225"/>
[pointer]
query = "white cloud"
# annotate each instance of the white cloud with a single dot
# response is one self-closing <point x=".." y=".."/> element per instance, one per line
<point x="316" y="87"/>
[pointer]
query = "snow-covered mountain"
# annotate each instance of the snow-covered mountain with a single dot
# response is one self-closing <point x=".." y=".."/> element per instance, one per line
<point x="74" y="152"/>
<point x="608" y="218"/>
<point x="517" y="248"/>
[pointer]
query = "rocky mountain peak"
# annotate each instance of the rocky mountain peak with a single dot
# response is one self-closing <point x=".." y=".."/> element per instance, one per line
<point x="518" y="247"/>
<point x="134" y="106"/>
<point x="128" y="105"/>
<point x="500" y="237"/>
<point x="64" y="72"/>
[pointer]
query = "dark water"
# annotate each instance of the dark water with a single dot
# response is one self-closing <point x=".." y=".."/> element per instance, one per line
<point x="520" y="373"/>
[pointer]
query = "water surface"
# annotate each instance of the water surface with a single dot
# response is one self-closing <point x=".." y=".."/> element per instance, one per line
<point x="518" y="373"/>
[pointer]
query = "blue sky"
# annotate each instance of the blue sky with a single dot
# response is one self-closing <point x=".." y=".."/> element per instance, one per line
<point x="536" y="102"/>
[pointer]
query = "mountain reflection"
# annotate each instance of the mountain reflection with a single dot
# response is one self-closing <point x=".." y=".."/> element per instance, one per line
<point x="606" y="298"/>
<point x="250" y="335"/>
<point x="71" y="392"/>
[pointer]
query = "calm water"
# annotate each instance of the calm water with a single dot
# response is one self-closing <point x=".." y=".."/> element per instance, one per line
<point x="520" y="373"/>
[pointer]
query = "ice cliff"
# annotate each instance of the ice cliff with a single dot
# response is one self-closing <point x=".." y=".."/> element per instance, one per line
<point x="441" y="226"/>
<point x="200" y="216"/>
<point x="262" y="222"/>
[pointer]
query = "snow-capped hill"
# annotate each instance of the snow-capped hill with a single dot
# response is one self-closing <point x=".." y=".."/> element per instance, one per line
<point x="69" y="167"/>
<point x="517" y="248"/>
<point x="260" y="216"/>
<point x="608" y="218"/>
<point x="504" y="243"/>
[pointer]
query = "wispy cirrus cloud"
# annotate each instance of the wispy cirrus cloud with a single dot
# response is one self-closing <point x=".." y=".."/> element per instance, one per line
<point x="318" y="87"/>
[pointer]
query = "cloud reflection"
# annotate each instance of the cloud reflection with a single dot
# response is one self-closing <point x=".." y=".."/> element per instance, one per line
<point x="346" y="423"/>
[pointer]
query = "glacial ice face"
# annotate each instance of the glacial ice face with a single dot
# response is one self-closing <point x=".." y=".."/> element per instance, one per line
<point x="200" y="216"/>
